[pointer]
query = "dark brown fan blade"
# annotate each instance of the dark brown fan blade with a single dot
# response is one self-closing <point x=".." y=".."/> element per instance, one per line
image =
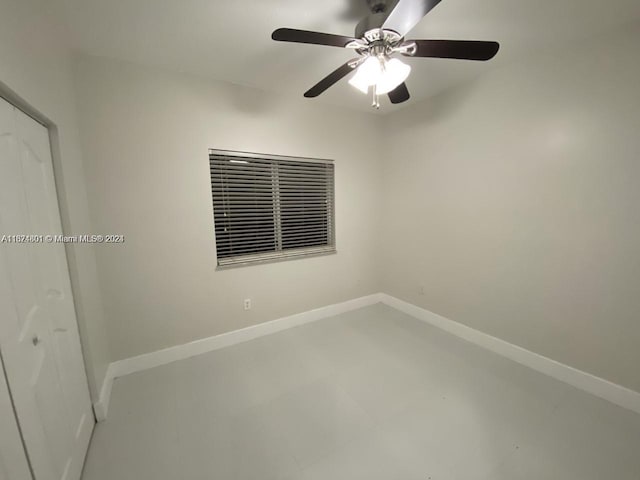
<point x="406" y="15"/>
<point x="460" y="49"/>
<point x="305" y="36"/>
<point x="399" y="94"/>
<point x="329" y="80"/>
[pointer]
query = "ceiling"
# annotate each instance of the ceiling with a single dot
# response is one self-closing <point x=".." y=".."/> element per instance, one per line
<point x="231" y="40"/>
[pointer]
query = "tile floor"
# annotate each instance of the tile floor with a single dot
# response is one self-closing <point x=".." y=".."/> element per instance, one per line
<point x="370" y="394"/>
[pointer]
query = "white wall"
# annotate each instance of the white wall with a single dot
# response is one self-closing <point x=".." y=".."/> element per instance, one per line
<point x="511" y="200"/>
<point x="515" y="202"/>
<point x="36" y="71"/>
<point x="146" y="135"/>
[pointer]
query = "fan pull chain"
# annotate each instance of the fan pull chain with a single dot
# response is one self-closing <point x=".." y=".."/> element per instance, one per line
<point x="376" y="100"/>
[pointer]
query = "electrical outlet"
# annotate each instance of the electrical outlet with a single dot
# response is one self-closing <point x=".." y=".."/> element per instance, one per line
<point x="247" y="304"/>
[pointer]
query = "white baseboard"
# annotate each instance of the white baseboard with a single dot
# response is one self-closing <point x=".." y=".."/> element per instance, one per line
<point x="179" y="352"/>
<point x="597" y="386"/>
<point x="101" y="407"/>
<point x="612" y="392"/>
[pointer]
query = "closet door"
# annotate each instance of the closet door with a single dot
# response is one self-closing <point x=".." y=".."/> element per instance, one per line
<point x="39" y="334"/>
<point x="13" y="460"/>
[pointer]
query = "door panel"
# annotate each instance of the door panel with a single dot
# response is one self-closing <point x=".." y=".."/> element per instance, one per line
<point x="52" y="262"/>
<point x="13" y="459"/>
<point x="40" y="346"/>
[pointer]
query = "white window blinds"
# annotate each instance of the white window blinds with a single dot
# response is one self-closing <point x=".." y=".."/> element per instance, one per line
<point x="269" y="207"/>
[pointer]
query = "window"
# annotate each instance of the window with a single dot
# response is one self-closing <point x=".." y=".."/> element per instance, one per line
<point x="269" y="207"/>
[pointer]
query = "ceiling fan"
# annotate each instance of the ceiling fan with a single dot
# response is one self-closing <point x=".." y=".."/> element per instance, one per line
<point x="378" y="38"/>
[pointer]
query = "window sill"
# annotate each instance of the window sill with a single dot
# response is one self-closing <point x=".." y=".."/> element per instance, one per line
<point x="276" y="258"/>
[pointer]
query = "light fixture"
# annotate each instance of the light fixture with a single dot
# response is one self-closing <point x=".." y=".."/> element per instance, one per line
<point x="383" y="73"/>
<point x="394" y="73"/>
<point x="367" y="74"/>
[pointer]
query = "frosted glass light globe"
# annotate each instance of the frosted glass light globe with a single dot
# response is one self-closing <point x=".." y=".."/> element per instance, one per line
<point x="386" y="75"/>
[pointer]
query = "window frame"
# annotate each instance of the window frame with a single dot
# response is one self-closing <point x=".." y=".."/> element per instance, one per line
<point x="283" y="254"/>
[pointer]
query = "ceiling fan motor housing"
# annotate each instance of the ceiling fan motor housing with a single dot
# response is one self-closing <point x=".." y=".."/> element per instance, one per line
<point x="381" y="6"/>
<point x="371" y="22"/>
